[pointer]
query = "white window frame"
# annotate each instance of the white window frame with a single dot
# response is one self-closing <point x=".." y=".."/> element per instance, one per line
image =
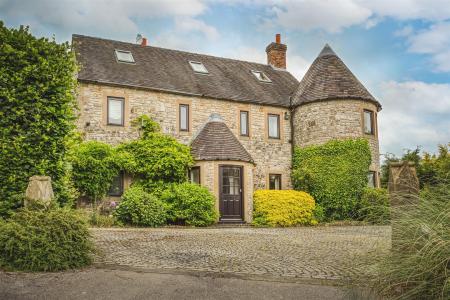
<point x="278" y="125"/>
<point x="195" y="64"/>
<point x="261" y="76"/>
<point x="246" y="124"/>
<point x="122" y="111"/>
<point x="187" y="117"/>
<point x="116" y="51"/>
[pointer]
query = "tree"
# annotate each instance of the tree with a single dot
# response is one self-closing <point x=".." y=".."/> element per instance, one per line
<point x="37" y="104"/>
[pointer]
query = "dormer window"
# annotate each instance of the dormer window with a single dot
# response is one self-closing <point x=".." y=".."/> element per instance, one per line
<point x="124" y="56"/>
<point x="261" y="76"/>
<point x="198" y="67"/>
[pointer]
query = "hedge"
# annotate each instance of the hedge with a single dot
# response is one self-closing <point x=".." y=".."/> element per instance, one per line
<point x="283" y="208"/>
<point x="334" y="173"/>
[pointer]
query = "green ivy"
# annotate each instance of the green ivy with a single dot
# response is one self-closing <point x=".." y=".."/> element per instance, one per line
<point x="37" y="105"/>
<point x="334" y="173"/>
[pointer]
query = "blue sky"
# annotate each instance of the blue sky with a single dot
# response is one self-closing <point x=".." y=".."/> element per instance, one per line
<point x="400" y="49"/>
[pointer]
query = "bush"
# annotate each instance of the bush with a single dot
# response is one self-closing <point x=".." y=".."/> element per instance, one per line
<point x="94" y="167"/>
<point x="37" y="103"/>
<point x="374" y="206"/>
<point x="334" y="173"/>
<point x="283" y="208"/>
<point x="41" y="240"/>
<point x="418" y="265"/>
<point x="158" y="157"/>
<point x="190" y="204"/>
<point x="141" y="208"/>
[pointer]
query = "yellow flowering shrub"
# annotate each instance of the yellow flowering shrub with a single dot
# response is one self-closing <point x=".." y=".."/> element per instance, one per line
<point x="283" y="208"/>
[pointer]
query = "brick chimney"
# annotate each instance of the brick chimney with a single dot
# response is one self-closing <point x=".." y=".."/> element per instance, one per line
<point x="144" y="42"/>
<point x="276" y="53"/>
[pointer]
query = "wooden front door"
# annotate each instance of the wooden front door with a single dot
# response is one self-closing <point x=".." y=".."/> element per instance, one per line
<point x="230" y="190"/>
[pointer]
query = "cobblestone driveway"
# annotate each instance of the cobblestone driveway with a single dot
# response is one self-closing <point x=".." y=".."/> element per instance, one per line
<point x="305" y="252"/>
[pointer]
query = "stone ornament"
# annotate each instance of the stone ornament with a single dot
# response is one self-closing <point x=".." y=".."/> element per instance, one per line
<point x="403" y="181"/>
<point x="39" y="189"/>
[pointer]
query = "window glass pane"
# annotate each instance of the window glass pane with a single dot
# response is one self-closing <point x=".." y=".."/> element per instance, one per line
<point x="194" y="175"/>
<point x="124" y="56"/>
<point x="368" y="122"/>
<point x="184" y="117"/>
<point x="371" y="179"/>
<point x="115" y="111"/>
<point x="244" y="123"/>
<point x="273" y="126"/>
<point x="275" y="182"/>
<point x="261" y="76"/>
<point x="116" y="188"/>
<point x="198" y="67"/>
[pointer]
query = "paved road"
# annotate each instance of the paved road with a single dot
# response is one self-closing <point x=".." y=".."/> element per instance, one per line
<point x="291" y="254"/>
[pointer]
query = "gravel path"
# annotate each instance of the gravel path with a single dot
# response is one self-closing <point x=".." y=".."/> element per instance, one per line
<point x="311" y="253"/>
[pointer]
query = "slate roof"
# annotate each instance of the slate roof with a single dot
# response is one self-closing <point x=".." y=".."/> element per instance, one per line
<point x="169" y="70"/>
<point x="215" y="141"/>
<point x="329" y="78"/>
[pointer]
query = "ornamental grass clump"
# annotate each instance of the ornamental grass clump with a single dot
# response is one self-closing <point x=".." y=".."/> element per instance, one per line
<point x="283" y="208"/>
<point x="45" y="240"/>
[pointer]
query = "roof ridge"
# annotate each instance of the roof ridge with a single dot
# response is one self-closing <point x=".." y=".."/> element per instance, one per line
<point x="182" y="51"/>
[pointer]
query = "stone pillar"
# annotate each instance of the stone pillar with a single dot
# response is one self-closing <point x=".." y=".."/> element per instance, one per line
<point x="39" y="190"/>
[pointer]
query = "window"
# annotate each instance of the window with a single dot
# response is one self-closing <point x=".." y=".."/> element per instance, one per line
<point x="116" y="188"/>
<point x="371" y="179"/>
<point x="261" y="76"/>
<point x="244" y="123"/>
<point x="274" y="181"/>
<point x="274" y="126"/>
<point x="115" y="111"/>
<point x="198" y="67"/>
<point x="368" y="122"/>
<point x="124" y="56"/>
<point x="194" y="175"/>
<point x="184" y="117"/>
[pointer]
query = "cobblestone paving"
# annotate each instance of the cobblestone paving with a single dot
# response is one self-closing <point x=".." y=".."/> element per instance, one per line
<point x="305" y="252"/>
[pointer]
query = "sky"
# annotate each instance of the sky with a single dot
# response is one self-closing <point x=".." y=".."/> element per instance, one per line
<point x="400" y="50"/>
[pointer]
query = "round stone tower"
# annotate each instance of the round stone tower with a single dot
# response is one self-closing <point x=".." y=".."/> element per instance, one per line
<point x="331" y="103"/>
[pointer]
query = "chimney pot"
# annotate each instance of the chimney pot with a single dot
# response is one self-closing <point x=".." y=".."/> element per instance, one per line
<point x="278" y="38"/>
<point x="144" y="42"/>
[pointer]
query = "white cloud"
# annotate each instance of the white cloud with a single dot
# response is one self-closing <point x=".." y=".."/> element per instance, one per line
<point x="190" y="24"/>
<point x="414" y="114"/>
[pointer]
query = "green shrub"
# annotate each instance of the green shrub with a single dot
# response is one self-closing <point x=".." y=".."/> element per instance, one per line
<point x="374" y="206"/>
<point x="158" y="157"/>
<point x="37" y="103"/>
<point x="45" y="240"/>
<point x="283" y="208"/>
<point x="418" y="264"/>
<point x="141" y="208"/>
<point x="334" y="173"/>
<point x="190" y="204"/>
<point x="146" y="126"/>
<point x="94" y="167"/>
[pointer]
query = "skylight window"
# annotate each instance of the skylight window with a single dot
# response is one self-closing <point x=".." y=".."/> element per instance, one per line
<point x="261" y="76"/>
<point x="124" y="56"/>
<point x="198" y="67"/>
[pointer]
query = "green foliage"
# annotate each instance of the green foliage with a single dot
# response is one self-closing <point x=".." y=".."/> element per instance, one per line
<point x="45" y="240"/>
<point x="190" y="204"/>
<point x="335" y="174"/>
<point x="283" y="208"/>
<point x="374" y="206"/>
<point x="146" y="126"/>
<point x="141" y="208"/>
<point x="37" y="104"/>
<point x="418" y="265"/>
<point x="94" y="166"/>
<point x="431" y="169"/>
<point x="158" y="157"/>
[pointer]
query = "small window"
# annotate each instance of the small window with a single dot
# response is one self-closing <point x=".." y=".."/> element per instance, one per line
<point x="198" y="67"/>
<point x="115" y="111"/>
<point x="184" y="117"/>
<point x="274" y="126"/>
<point x="274" y="181"/>
<point x="124" y="56"/>
<point x="244" y="123"/>
<point x="116" y="188"/>
<point x="368" y="122"/>
<point x="261" y="76"/>
<point x="194" y="175"/>
<point x="371" y="179"/>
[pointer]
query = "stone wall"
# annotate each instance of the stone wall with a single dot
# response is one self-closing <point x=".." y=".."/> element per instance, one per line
<point x="319" y="122"/>
<point x="270" y="155"/>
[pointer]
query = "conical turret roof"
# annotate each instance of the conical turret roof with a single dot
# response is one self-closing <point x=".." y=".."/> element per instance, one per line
<point x="328" y="78"/>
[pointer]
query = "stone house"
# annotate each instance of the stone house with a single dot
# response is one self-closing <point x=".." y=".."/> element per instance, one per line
<point x="242" y="119"/>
